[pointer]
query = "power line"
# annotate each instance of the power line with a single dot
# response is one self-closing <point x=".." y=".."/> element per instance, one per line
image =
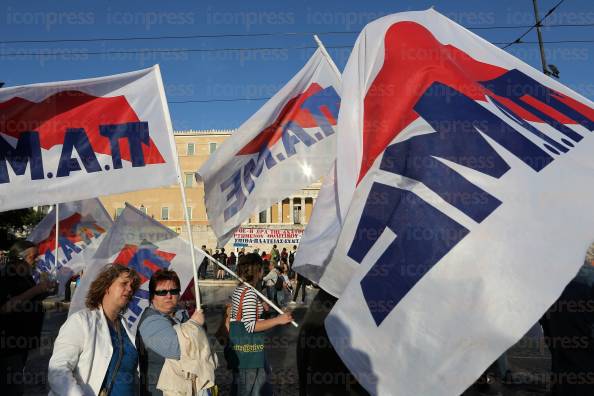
<point x="216" y="100"/>
<point x="539" y="23"/>
<point x="252" y="35"/>
<point x="173" y="50"/>
<point x="192" y="36"/>
<point x="239" y="49"/>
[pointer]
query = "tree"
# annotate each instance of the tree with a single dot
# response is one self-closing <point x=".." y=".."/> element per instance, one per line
<point x="16" y="224"/>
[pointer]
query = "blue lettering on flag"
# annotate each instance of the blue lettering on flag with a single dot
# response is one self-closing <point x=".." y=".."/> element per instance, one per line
<point x="27" y="151"/>
<point x="76" y="138"/>
<point x="148" y="254"/>
<point x="292" y="134"/>
<point x="134" y="304"/>
<point x="424" y="235"/>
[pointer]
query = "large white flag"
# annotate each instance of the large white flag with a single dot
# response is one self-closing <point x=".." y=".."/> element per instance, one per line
<point x="468" y="177"/>
<point x="82" y="227"/>
<point x="142" y="243"/>
<point x="285" y="146"/>
<point x="71" y="140"/>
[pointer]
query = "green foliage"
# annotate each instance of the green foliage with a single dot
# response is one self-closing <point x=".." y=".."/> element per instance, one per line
<point x="16" y="224"/>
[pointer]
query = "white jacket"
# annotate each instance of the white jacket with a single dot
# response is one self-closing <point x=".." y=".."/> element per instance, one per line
<point x="195" y="370"/>
<point x="82" y="353"/>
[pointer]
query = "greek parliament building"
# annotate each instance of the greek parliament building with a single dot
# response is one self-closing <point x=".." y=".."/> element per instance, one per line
<point x="282" y="223"/>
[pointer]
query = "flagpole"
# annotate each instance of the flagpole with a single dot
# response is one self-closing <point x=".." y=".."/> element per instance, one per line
<point x="191" y="240"/>
<point x="277" y="309"/>
<point x="57" y="235"/>
<point x="327" y="56"/>
<point x="181" y="185"/>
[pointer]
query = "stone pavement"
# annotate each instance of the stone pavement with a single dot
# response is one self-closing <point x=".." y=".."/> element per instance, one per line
<point x="529" y="360"/>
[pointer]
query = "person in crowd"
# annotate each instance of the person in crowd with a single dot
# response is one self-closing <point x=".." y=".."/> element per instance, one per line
<point x="284" y="294"/>
<point x="284" y="254"/>
<point x="265" y="262"/>
<point x="21" y="314"/>
<point x="572" y="363"/>
<point x="274" y="255"/>
<point x="301" y="283"/>
<point x="249" y="369"/>
<point x="241" y="253"/>
<point x="232" y="261"/>
<point x="94" y="353"/>
<point x="157" y="339"/>
<point x="270" y="282"/>
<point x="203" y="265"/>
<point x="222" y="260"/>
<point x="292" y="256"/>
<point x="215" y="267"/>
<point x="321" y="371"/>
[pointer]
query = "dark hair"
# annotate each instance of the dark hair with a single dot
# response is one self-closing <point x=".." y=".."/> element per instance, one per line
<point x="160" y="276"/>
<point x="17" y="249"/>
<point x="105" y="279"/>
<point x="249" y="267"/>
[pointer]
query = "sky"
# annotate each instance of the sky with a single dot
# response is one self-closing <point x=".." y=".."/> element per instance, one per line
<point x="203" y="86"/>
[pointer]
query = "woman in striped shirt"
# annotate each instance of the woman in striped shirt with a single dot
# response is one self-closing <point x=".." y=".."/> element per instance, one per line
<point x="251" y="381"/>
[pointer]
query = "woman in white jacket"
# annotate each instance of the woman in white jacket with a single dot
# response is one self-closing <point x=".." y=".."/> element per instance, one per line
<point x="94" y="353"/>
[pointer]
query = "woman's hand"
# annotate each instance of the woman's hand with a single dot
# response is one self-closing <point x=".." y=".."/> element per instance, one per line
<point x="198" y="317"/>
<point x="284" y="318"/>
<point x="44" y="286"/>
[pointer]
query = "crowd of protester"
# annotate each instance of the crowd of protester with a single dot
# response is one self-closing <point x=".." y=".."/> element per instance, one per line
<point x="169" y="353"/>
<point x="281" y="283"/>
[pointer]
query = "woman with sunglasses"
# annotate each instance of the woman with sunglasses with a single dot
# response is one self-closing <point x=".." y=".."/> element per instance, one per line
<point x="156" y="335"/>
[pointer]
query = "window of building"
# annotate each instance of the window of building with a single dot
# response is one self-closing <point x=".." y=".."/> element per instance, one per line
<point x="212" y="147"/>
<point x="297" y="211"/>
<point x="190" y="149"/>
<point x="118" y="212"/>
<point x="285" y="211"/>
<point x="164" y="213"/>
<point x="263" y="217"/>
<point x="188" y="179"/>
<point x="189" y="213"/>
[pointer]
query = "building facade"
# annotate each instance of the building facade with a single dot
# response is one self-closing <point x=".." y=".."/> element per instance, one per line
<point x="165" y="204"/>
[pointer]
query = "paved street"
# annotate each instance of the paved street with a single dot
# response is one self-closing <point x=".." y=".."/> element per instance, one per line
<point x="529" y="359"/>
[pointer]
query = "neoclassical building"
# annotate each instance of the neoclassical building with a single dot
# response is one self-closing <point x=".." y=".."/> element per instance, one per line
<point x="165" y="204"/>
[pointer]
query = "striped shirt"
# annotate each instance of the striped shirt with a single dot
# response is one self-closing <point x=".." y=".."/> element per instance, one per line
<point x="251" y="303"/>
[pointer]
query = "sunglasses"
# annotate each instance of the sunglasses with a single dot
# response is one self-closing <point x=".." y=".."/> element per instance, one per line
<point x="173" y="292"/>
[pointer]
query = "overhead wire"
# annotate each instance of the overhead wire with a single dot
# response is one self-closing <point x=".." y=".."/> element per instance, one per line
<point x="537" y="24"/>
<point x="252" y="35"/>
<point x="272" y="34"/>
<point x="238" y="49"/>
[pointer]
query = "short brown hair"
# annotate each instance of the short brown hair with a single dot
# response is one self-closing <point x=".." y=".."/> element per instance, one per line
<point x="160" y="276"/>
<point x="105" y="278"/>
<point x="249" y="267"/>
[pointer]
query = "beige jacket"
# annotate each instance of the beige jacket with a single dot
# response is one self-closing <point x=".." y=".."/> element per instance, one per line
<point x="195" y="370"/>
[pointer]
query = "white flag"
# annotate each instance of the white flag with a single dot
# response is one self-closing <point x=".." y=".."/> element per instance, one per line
<point x="319" y="240"/>
<point x="72" y="140"/>
<point x="285" y="146"/>
<point x="468" y="177"/>
<point x="142" y="243"/>
<point x="82" y="226"/>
